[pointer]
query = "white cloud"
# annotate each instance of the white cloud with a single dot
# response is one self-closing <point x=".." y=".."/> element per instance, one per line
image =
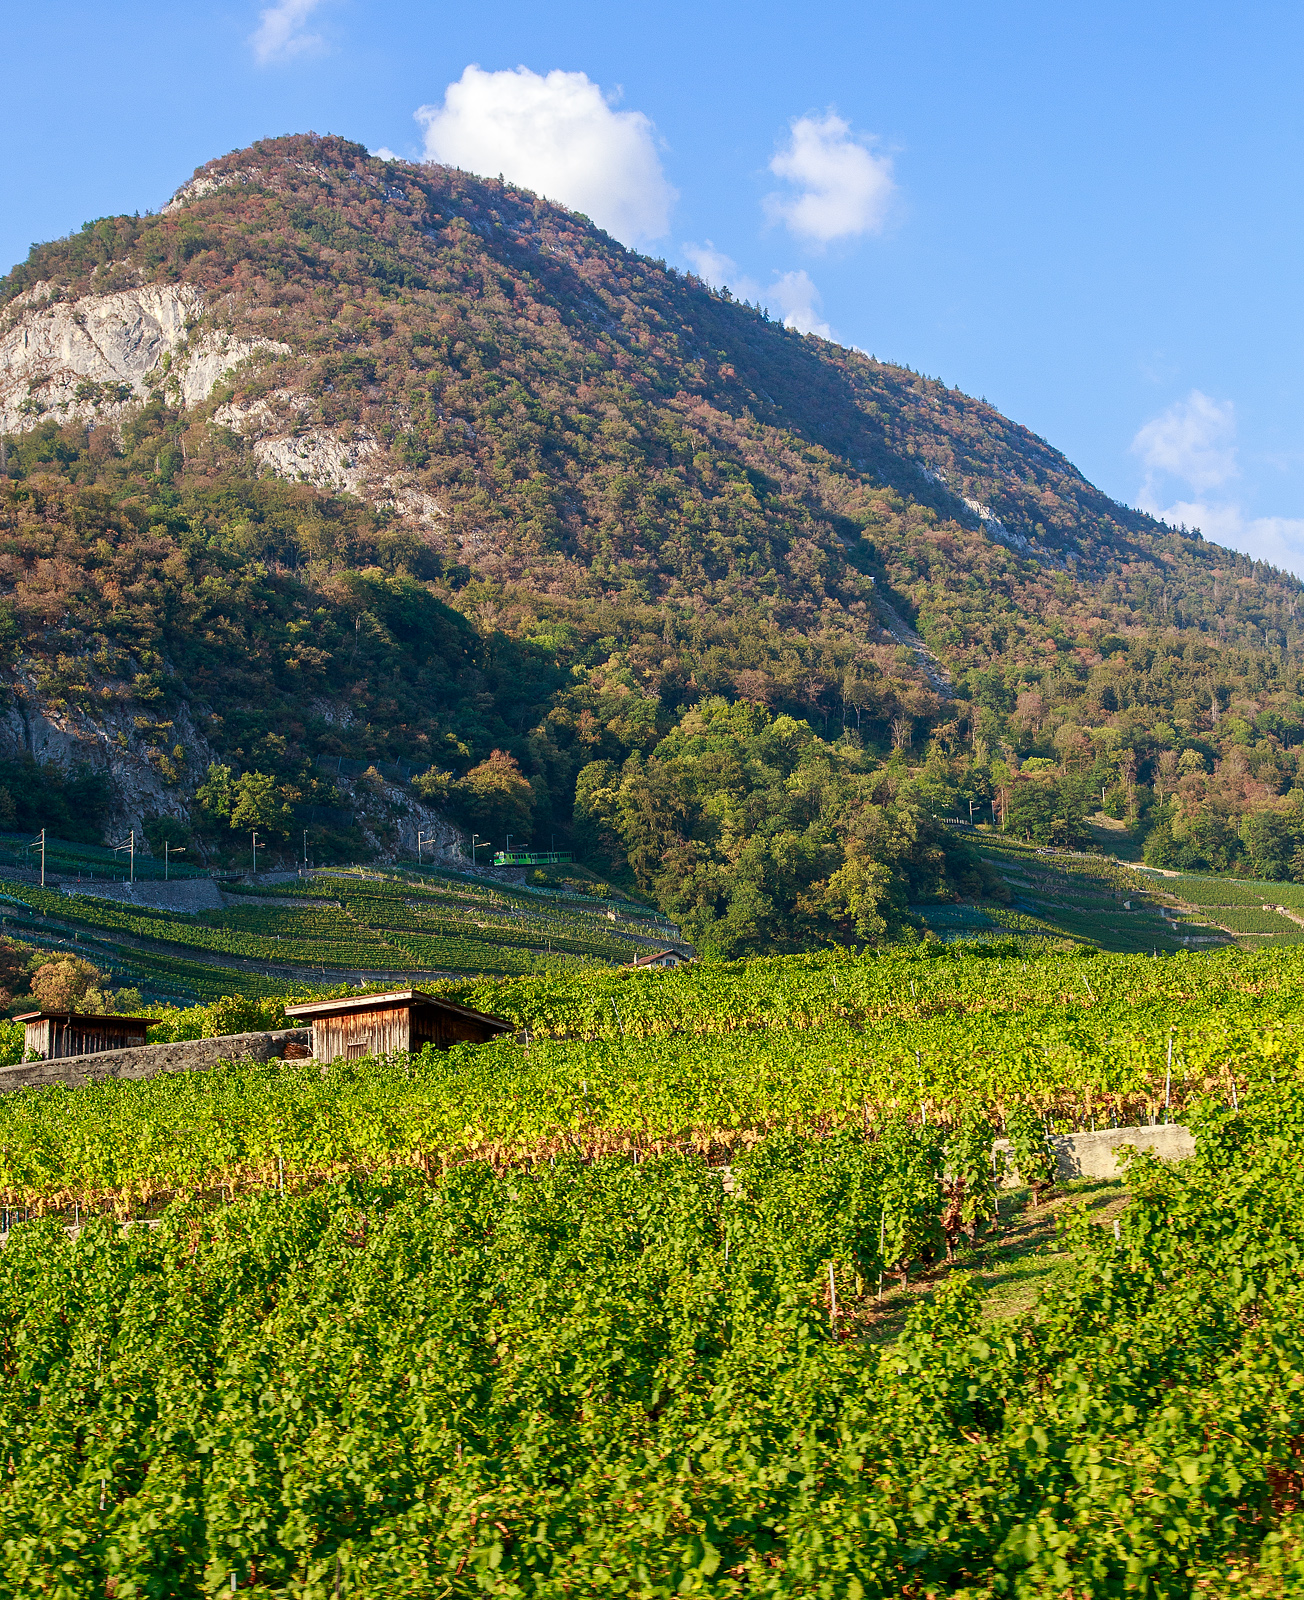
<point x="792" y="294"/>
<point x="798" y="301"/>
<point x="719" y="270"/>
<point x="280" y="34"/>
<point x="1279" y="540"/>
<point x="1194" y="440"/>
<point x="555" y="134"/>
<point x="384" y="153"/>
<point x="842" y="188"/>
<point x="1194" y="443"/>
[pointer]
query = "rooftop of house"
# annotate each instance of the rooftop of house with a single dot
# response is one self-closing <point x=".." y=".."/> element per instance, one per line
<point x="650" y="957"/>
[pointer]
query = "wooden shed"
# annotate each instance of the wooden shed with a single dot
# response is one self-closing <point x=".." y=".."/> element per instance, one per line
<point x="371" y="1024"/>
<point x="53" y="1034"/>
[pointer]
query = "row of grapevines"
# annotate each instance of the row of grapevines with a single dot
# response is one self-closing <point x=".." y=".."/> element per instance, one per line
<point x="619" y="1379"/>
<point x="124" y="1142"/>
<point x="943" y="982"/>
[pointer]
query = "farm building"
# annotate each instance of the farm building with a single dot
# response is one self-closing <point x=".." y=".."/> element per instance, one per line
<point x="661" y="958"/>
<point x="370" y="1024"/>
<point x="54" y="1034"/>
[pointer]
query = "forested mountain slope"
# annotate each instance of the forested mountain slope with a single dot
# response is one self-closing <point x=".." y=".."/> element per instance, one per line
<point x="351" y="457"/>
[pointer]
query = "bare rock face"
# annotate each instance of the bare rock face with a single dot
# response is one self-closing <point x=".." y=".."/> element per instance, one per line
<point x="352" y="460"/>
<point x="146" y="780"/>
<point x="87" y="360"/>
<point x="84" y="360"/>
<point x="207" y="183"/>
<point x="392" y="817"/>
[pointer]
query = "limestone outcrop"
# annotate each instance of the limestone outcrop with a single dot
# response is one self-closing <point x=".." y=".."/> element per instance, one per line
<point x="84" y="360"/>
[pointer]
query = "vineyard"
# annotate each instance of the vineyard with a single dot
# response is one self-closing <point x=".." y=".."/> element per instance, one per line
<point x="1090" y="899"/>
<point x="619" y="1376"/>
<point x="430" y="927"/>
<point x="711" y="1059"/>
<point x="1246" y="908"/>
<point x="612" y="1305"/>
<point x="1117" y="906"/>
<point x="332" y="927"/>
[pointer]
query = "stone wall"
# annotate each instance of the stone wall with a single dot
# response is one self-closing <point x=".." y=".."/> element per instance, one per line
<point x="1092" y="1155"/>
<point x="144" y="1061"/>
<point x="178" y="894"/>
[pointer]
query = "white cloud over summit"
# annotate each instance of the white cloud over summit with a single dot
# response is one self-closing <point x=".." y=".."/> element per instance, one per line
<point x="719" y="270"/>
<point x="1192" y="445"/>
<point x="840" y="188"/>
<point x="555" y="133"/>
<point x="798" y="302"/>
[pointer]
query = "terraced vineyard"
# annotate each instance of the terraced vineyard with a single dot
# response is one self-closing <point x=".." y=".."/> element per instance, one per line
<point x="1089" y="899"/>
<point x="335" y="927"/>
<point x="1245" y="908"/>
<point x="1119" y="906"/>
<point x="91" y="861"/>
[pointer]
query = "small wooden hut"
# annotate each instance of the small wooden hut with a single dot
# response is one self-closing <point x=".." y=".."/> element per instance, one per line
<point x="54" y="1034"/>
<point x="371" y="1024"/>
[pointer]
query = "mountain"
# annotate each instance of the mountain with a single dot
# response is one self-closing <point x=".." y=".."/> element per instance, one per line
<point x="337" y="457"/>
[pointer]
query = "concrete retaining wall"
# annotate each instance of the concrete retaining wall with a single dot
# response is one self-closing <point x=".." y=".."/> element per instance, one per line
<point x="144" y="1061"/>
<point x="1092" y="1155"/>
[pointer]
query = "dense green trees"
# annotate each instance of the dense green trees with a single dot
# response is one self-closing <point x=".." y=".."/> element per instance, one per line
<point x="496" y="800"/>
<point x="758" y="834"/>
<point x="254" y="800"/>
<point x="73" y="805"/>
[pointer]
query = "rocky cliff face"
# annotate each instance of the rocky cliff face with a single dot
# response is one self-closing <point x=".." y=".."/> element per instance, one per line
<point x="87" y="359"/>
<point x="138" y="753"/>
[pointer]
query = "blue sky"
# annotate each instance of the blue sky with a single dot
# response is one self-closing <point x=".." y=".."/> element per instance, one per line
<point x="1088" y="213"/>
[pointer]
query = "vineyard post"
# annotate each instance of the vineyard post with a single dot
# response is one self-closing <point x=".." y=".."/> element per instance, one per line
<point x="882" y="1225"/>
<point x="1168" y="1076"/>
<point x="833" y="1305"/>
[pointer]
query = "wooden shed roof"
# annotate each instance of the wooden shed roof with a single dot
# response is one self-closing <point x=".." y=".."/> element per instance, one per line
<point x="396" y="1000"/>
<point x="84" y="1016"/>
